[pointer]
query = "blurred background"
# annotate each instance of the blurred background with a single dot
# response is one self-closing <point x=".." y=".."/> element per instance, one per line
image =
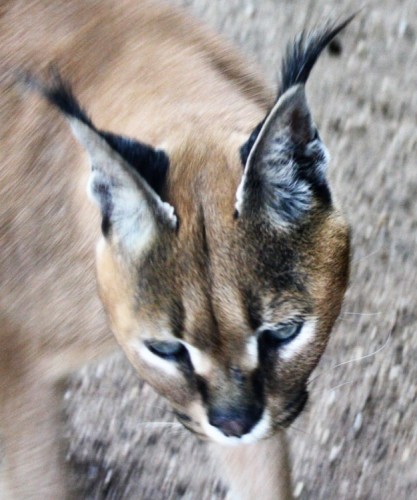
<point x="358" y="437"/>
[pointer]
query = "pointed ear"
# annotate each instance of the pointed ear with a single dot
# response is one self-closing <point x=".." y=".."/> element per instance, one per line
<point x="126" y="180"/>
<point x="132" y="212"/>
<point x="286" y="164"/>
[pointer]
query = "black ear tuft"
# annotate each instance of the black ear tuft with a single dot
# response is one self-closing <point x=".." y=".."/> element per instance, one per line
<point x="303" y="53"/>
<point x="299" y="60"/>
<point x="150" y="163"/>
<point x="59" y="93"/>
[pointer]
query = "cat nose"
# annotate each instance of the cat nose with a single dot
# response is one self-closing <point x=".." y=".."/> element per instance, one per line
<point x="233" y="423"/>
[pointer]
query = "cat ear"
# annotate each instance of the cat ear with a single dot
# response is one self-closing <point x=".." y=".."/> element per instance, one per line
<point x="126" y="179"/>
<point x="132" y="211"/>
<point x="285" y="160"/>
<point x="286" y="165"/>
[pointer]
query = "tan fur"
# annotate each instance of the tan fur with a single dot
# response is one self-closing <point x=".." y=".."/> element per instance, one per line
<point x="149" y="73"/>
<point x="268" y="473"/>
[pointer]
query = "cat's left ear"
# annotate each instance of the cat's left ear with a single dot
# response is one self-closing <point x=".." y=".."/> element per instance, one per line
<point x="286" y="165"/>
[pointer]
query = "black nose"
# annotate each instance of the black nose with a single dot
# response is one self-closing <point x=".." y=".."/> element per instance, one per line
<point x="235" y="423"/>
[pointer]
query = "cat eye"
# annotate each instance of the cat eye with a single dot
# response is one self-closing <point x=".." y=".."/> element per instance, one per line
<point x="172" y="351"/>
<point x="281" y="334"/>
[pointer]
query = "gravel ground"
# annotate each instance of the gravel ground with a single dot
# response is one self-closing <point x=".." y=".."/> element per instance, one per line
<point x="358" y="438"/>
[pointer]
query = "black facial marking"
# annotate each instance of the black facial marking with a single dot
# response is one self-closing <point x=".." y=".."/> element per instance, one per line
<point x="258" y="386"/>
<point x="295" y="407"/>
<point x="252" y="306"/>
<point x="177" y="317"/>
<point x="182" y="416"/>
<point x="202" y="388"/>
<point x="205" y="248"/>
<point x="265" y="353"/>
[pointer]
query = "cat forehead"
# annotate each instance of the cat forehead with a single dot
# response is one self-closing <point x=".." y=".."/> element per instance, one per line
<point x="203" y="294"/>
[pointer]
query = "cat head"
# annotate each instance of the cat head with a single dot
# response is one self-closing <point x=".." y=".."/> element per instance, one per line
<point x="222" y="267"/>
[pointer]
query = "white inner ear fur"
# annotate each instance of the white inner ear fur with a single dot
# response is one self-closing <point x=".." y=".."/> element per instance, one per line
<point x="239" y="194"/>
<point x="295" y="346"/>
<point x="133" y="204"/>
<point x="132" y="220"/>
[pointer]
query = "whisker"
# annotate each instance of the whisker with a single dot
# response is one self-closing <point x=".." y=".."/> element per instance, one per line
<point x="360" y="259"/>
<point x="171" y="431"/>
<point x="354" y="360"/>
<point x="366" y="355"/>
<point x="297" y="429"/>
<point x="351" y="313"/>
<point x="342" y="384"/>
<point x="312" y="439"/>
<point x="160" y="424"/>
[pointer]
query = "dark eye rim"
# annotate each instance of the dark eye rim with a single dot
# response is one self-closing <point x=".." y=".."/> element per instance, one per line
<point x="170" y="350"/>
<point x="269" y="336"/>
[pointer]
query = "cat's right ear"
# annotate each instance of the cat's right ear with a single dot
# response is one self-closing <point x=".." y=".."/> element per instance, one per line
<point x="127" y="177"/>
